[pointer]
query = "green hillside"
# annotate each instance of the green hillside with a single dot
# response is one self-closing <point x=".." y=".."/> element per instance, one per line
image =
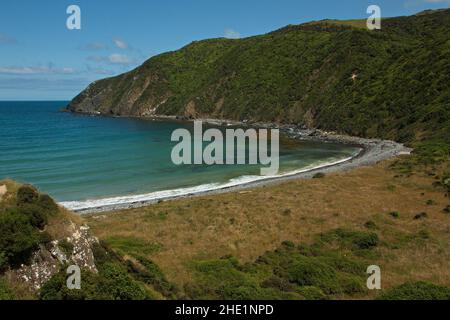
<point x="391" y="83"/>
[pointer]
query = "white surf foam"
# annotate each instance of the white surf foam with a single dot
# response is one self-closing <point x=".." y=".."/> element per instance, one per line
<point x="167" y="194"/>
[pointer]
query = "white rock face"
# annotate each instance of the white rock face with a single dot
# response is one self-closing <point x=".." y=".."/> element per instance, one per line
<point x="48" y="260"/>
<point x="82" y="254"/>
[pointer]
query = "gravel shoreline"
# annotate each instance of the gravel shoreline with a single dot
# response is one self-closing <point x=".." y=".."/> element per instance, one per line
<point x="372" y="152"/>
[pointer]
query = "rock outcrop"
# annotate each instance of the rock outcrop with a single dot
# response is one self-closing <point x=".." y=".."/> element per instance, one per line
<point x="50" y="258"/>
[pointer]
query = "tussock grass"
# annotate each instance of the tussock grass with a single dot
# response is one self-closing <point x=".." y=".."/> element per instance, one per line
<point x="246" y="225"/>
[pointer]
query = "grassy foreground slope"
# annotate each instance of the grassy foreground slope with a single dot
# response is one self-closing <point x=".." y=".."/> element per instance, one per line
<point x="39" y="240"/>
<point x="332" y="75"/>
<point x="305" y="239"/>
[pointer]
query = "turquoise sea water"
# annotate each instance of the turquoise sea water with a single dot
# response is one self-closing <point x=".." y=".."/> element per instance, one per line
<point x="78" y="157"/>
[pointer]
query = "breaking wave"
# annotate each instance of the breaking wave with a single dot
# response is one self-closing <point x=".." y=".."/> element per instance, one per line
<point x="124" y="201"/>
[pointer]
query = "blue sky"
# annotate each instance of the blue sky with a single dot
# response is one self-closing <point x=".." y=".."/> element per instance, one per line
<point x="40" y="59"/>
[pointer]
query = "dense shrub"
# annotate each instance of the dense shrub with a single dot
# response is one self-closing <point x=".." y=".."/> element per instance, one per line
<point x="370" y="225"/>
<point x="278" y="283"/>
<point x="312" y="293"/>
<point x="289" y="272"/>
<point x="118" y="284"/>
<point x="47" y="204"/>
<point x="195" y="290"/>
<point x="38" y="208"/>
<point x="342" y="263"/>
<point x="104" y="254"/>
<point x="20" y="226"/>
<point x="394" y="214"/>
<point x="66" y="247"/>
<point x="149" y="273"/>
<point x="311" y="272"/>
<point x="352" y="239"/>
<point x="111" y="283"/>
<point x="18" y="238"/>
<point x="27" y="194"/>
<point x="36" y="215"/>
<point x="421" y="216"/>
<point x="56" y="288"/>
<point x="417" y="291"/>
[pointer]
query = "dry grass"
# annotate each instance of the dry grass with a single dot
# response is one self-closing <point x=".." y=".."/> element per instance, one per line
<point x="248" y="223"/>
<point x="10" y="188"/>
<point x="63" y="224"/>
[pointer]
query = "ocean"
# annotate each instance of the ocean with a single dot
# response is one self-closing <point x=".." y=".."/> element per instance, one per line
<point x="84" y="161"/>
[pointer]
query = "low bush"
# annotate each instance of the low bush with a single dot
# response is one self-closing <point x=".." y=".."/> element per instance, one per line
<point x="420" y="216"/>
<point x="56" y="288"/>
<point x="352" y="239"/>
<point x="111" y="283"/>
<point x="48" y="205"/>
<point x="312" y="272"/>
<point x="394" y="214"/>
<point x="278" y="283"/>
<point x="21" y="224"/>
<point x="119" y="285"/>
<point x="66" y="247"/>
<point x="370" y="225"/>
<point x="342" y="263"/>
<point x="27" y="194"/>
<point x="290" y="272"/>
<point x="312" y="293"/>
<point x="18" y="238"/>
<point x="417" y="291"/>
<point x="149" y="273"/>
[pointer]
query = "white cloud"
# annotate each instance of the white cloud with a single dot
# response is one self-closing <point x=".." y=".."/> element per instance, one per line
<point x="231" y="34"/>
<point x="97" y="58"/>
<point x="117" y="58"/>
<point x="120" y="44"/>
<point x="102" y="71"/>
<point x="99" y="71"/>
<point x="94" y="46"/>
<point x="35" y="70"/>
